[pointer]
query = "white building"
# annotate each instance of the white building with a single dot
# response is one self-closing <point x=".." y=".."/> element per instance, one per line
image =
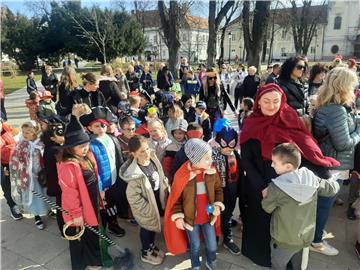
<point x="193" y="37"/>
<point x="338" y="32"/>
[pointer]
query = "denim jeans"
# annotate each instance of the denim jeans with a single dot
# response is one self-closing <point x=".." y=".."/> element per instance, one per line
<point x="210" y="244"/>
<point x="324" y="204"/>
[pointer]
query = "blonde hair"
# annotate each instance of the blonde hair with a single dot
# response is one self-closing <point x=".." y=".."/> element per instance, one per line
<point x="338" y="87"/>
<point x="178" y="112"/>
<point x="155" y="121"/>
<point x="118" y="70"/>
<point x="252" y="69"/>
<point x="33" y="125"/>
<point x="107" y="70"/>
<point x="68" y="78"/>
<point x="134" y="100"/>
<point x="130" y="68"/>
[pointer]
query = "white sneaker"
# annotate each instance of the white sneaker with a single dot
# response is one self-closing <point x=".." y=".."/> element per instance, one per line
<point x="324" y="248"/>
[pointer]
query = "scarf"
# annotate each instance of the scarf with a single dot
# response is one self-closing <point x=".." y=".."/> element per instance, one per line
<point x="283" y="127"/>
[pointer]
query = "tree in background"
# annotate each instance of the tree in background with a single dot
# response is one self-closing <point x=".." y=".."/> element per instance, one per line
<point x="172" y="18"/>
<point x="255" y="29"/>
<point x="214" y="20"/>
<point x="304" y="21"/>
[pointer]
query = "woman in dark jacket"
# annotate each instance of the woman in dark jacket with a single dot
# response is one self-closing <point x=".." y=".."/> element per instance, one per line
<point x="272" y="122"/>
<point x="164" y="78"/>
<point x="122" y="81"/>
<point x="335" y="125"/>
<point x="109" y="87"/>
<point x="52" y="138"/>
<point x="133" y="78"/>
<point x="290" y="82"/>
<point x="50" y="82"/>
<point x="147" y="81"/>
<point x="68" y="83"/>
<point x="88" y="94"/>
<point x="250" y="84"/>
<point x="317" y="75"/>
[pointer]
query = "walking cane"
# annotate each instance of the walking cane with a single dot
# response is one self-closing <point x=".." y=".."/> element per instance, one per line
<point x="124" y="261"/>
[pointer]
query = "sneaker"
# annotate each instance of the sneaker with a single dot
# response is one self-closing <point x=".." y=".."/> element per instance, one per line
<point x="210" y="266"/>
<point x="52" y="214"/>
<point x="232" y="247"/>
<point x="357" y="249"/>
<point x="350" y="213"/>
<point x="132" y="221"/>
<point x="15" y="212"/>
<point x="158" y="251"/>
<point x="39" y="223"/>
<point x="151" y="257"/>
<point x="115" y="229"/>
<point x="324" y="248"/>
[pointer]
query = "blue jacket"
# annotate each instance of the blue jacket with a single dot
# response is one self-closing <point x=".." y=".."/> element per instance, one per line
<point x="191" y="86"/>
<point x="103" y="163"/>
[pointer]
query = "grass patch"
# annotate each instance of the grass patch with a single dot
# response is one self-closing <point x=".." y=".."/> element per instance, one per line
<point x="16" y="83"/>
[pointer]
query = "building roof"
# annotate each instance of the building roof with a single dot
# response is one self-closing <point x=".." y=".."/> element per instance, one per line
<point x="283" y="19"/>
<point x="151" y="19"/>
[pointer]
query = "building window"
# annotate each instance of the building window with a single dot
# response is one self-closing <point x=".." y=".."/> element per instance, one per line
<point x="312" y="50"/>
<point x="283" y="53"/>
<point x="155" y="39"/>
<point x="335" y="49"/>
<point x="283" y="34"/>
<point x="232" y="37"/>
<point x="337" y="23"/>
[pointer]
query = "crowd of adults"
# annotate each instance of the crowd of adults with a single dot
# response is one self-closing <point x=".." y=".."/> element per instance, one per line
<point x="315" y="108"/>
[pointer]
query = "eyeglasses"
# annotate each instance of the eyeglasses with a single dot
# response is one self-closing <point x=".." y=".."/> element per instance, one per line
<point x="300" y="67"/>
<point x="212" y="78"/>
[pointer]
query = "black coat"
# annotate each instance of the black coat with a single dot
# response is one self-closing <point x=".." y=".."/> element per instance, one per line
<point x="272" y="78"/>
<point x="133" y="80"/>
<point x="164" y="79"/>
<point x="52" y="181"/>
<point x="296" y="95"/>
<point x="50" y="83"/>
<point x="30" y="85"/>
<point x="112" y="93"/>
<point x="148" y="85"/>
<point x="190" y="115"/>
<point x="250" y="86"/>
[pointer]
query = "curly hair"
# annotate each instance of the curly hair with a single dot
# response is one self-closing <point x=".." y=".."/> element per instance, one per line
<point x="288" y="67"/>
<point x="338" y="87"/>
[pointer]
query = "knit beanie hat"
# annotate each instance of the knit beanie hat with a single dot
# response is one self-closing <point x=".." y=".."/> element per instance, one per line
<point x="196" y="149"/>
<point x="185" y="98"/>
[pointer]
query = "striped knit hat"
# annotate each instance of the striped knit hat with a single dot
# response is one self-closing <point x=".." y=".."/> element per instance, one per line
<point x="196" y="149"/>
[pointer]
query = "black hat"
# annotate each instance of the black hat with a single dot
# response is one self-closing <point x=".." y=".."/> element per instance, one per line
<point x="145" y="95"/>
<point x="75" y="134"/>
<point x="185" y="98"/>
<point x="99" y="112"/>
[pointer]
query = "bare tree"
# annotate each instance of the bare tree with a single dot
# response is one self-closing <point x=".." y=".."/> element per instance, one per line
<point x="172" y="19"/>
<point x="304" y="21"/>
<point x="97" y="30"/>
<point x="140" y="7"/>
<point x="255" y="34"/>
<point x="228" y="18"/>
<point x="274" y="28"/>
<point x="214" y="21"/>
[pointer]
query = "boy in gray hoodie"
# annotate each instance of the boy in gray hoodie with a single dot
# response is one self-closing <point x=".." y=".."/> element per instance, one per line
<point x="291" y="198"/>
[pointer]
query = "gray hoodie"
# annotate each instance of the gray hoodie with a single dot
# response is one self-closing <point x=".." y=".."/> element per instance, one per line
<point x="292" y="200"/>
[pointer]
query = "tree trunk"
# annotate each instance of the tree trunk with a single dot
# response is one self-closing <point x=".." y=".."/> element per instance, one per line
<point x="173" y="57"/>
<point x="211" y="49"/>
<point x="264" y="51"/>
<point x="254" y="40"/>
<point x="221" y="56"/>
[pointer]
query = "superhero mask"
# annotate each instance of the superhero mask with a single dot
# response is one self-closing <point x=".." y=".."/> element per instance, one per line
<point x="227" y="137"/>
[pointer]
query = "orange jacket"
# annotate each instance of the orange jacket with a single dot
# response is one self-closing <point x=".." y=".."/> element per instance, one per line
<point x="7" y="144"/>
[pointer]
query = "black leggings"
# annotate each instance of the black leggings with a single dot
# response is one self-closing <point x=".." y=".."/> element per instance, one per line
<point x="147" y="239"/>
<point x="6" y="186"/>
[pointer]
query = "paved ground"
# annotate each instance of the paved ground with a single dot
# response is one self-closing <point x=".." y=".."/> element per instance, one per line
<point x="25" y="247"/>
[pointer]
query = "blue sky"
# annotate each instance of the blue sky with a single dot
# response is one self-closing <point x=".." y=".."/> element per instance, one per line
<point x="200" y="7"/>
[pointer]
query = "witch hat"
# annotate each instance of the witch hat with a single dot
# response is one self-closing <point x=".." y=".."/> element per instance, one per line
<point x="75" y="134"/>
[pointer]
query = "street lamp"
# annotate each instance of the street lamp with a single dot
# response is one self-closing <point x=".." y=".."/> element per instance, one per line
<point x="230" y="36"/>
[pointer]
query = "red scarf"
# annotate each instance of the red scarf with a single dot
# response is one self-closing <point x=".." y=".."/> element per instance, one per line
<point x="284" y="126"/>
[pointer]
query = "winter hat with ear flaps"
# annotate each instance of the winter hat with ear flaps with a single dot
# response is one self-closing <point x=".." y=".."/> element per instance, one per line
<point x="196" y="149"/>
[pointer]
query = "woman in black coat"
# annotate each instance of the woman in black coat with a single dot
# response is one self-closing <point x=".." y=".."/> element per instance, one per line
<point x="146" y="81"/>
<point x="50" y="81"/>
<point x="251" y="84"/>
<point x="132" y="78"/>
<point x="290" y="82"/>
<point x="68" y="84"/>
<point x="272" y="122"/>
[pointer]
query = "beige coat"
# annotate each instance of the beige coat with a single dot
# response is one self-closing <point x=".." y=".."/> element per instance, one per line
<point x="140" y="195"/>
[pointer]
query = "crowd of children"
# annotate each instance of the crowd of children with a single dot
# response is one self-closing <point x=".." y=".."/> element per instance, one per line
<point x="157" y="155"/>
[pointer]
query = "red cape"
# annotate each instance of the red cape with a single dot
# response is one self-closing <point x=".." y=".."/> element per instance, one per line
<point x="176" y="240"/>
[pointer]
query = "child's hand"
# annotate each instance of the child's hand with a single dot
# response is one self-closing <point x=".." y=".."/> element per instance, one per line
<point x="78" y="222"/>
<point x="180" y="224"/>
<point x="216" y="210"/>
<point x="264" y="192"/>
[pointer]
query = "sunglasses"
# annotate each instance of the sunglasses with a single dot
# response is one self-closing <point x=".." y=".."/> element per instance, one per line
<point x="300" y="67"/>
<point x="212" y="78"/>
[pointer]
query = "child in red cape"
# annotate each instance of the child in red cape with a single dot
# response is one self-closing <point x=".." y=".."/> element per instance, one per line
<point x="182" y="216"/>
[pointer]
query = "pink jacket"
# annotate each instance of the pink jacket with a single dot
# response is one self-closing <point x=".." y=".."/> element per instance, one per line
<point x="75" y="197"/>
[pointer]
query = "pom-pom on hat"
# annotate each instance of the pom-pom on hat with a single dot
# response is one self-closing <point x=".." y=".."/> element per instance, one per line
<point x="196" y="149"/>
